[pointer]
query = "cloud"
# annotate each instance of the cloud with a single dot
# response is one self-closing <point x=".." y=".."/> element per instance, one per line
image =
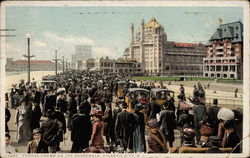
<point x="102" y="52"/>
<point x="40" y="44"/>
<point x="70" y="39"/>
<point x="207" y="23"/>
<point x="11" y="48"/>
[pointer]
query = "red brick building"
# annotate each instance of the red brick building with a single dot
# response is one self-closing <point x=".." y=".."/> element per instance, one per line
<point x="224" y="52"/>
<point x="35" y="65"/>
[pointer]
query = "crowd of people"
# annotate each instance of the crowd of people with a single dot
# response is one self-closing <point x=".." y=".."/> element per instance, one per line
<point x="85" y="103"/>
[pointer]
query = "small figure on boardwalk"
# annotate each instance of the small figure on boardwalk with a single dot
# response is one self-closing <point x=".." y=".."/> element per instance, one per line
<point x="235" y="92"/>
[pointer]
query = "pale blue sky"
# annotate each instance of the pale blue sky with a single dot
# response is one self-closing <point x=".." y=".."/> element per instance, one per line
<point x="106" y="28"/>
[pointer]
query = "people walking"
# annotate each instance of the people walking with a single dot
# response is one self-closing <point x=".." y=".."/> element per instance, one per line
<point x="81" y="124"/>
<point x="51" y="129"/>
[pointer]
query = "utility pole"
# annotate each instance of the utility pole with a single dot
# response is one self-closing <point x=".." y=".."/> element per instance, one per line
<point x="63" y="63"/>
<point x="56" y="60"/>
<point x="66" y="65"/>
<point x="28" y="56"/>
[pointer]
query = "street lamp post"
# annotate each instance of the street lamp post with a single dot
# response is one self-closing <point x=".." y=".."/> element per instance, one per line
<point x="56" y="60"/>
<point x="28" y="56"/>
<point x="63" y="63"/>
<point x="66" y="65"/>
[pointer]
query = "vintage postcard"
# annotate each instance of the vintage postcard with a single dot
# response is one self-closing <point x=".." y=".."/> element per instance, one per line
<point x="124" y="79"/>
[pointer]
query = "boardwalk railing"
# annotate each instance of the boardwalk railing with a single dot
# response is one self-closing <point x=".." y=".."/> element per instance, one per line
<point x="226" y="102"/>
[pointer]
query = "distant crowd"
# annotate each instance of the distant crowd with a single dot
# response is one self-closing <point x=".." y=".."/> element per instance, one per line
<point x="86" y="104"/>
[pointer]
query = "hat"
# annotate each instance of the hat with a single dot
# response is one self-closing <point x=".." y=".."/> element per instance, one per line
<point x="36" y="130"/>
<point x="138" y="107"/>
<point x="96" y="113"/>
<point x="7" y="135"/>
<point x="225" y="114"/>
<point x="152" y="123"/>
<point x="215" y="101"/>
<point x="189" y="133"/>
<point x="214" y="139"/>
<point x="49" y="113"/>
<point x="124" y="105"/>
<point x="229" y="124"/>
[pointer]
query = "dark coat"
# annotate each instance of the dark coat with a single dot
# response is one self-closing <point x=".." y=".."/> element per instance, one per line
<point x="213" y="119"/>
<point x="157" y="143"/>
<point x="41" y="148"/>
<point x="7" y="119"/>
<point x="153" y="109"/>
<point x="108" y="122"/>
<point x="185" y="118"/>
<point x="50" y="102"/>
<point x="139" y="144"/>
<point x="37" y="97"/>
<point x="61" y="118"/>
<point x="80" y="124"/>
<point x="124" y="128"/>
<point x="35" y="117"/>
<point x="199" y="114"/>
<point x="51" y="130"/>
<point x="231" y="141"/>
<point x="167" y="124"/>
<point x="42" y="99"/>
<point x="72" y="110"/>
<point x="116" y="111"/>
<point x="87" y="107"/>
<point x="62" y="104"/>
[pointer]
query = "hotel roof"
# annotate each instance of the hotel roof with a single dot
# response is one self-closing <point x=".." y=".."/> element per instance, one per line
<point x="232" y="31"/>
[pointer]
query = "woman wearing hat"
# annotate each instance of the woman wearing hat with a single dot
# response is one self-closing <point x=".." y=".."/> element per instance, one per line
<point x="156" y="139"/>
<point x="23" y="121"/>
<point x="96" y="136"/>
<point x="139" y="144"/>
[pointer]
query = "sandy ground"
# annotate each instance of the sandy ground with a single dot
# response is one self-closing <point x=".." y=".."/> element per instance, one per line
<point x="37" y="75"/>
<point x="224" y="92"/>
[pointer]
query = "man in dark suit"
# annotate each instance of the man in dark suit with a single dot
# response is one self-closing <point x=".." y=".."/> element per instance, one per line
<point x="51" y="129"/>
<point x="124" y="128"/>
<point x="153" y="109"/>
<point x="50" y="101"/>
<point x="12" y="93"/>
<point x="199" y="117"/>
<point x="212" y="116"/>
<point x="37" y="145"/>
<point x="167" y="123"/>
<point x="35" y="115"/>
<point x="7" y="119"/>
<point x="58" y="115"/>
<point x="81" y="130"/>
<point x="231" y="139"/>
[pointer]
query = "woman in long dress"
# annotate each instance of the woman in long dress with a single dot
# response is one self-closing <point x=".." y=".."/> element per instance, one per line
<point x="23" y="119"/>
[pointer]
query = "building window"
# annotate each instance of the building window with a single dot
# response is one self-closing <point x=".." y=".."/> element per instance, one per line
<point x="206" y="74"/>
<point x="232" y="76"/>
<point x="212" y="75"/>
<point x="218" y="75"/>
<point x="224" y="75"/>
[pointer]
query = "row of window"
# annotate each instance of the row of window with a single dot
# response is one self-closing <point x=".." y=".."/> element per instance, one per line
<point x="218" y="75"/>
